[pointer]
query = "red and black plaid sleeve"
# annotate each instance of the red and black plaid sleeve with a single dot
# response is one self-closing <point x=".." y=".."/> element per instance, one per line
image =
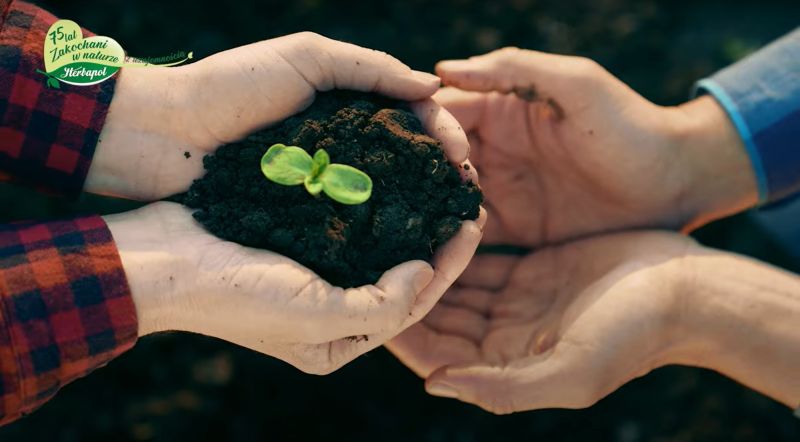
<point x="47" y="136"/>
<point x="65" y="308"/>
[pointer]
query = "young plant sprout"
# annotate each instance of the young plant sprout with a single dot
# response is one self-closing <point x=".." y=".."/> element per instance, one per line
<point x="291" y="165"/>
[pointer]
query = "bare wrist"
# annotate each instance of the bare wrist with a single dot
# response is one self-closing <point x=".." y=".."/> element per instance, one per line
<point x="677" y="340"/>
<point x="150" y="270"/>
<point x="721" y="181"/>
<point x="739" y="317"/>
<point x="145" y="119"/>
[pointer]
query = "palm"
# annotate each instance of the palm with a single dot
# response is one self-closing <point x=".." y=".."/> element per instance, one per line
<point x="556" y="171"/>
<point x="580" y="319"/>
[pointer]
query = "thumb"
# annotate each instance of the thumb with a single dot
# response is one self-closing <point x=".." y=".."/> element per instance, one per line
<point x="507" y="70"/>
<point x="503" y="389"/>
<point x="329" y="64"/>
<point x="382" y="307"/>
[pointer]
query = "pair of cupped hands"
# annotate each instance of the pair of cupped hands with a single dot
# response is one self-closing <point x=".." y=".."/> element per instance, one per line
<point x="571" y="162"/>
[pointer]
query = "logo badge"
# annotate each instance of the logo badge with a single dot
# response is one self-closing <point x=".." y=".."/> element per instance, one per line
<point x="70" y="58"/>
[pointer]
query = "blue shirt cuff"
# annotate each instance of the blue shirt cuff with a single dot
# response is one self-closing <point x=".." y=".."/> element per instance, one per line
<point x="761" y="95"/>
<point x="710" y="86"/>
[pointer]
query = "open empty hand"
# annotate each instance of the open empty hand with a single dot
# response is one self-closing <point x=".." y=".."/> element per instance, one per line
<point x="561" y="327"/>
<point x="565" y="149"/>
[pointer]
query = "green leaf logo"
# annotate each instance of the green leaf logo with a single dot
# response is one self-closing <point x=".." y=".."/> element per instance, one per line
<point x="73" y="59"/>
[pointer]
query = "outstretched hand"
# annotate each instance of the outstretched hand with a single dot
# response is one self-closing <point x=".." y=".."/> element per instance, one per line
<point x="565" y="150"/>
<point x="559" y="328"/>
<point x="162" y="121"/>
<point x="183" y="278"/>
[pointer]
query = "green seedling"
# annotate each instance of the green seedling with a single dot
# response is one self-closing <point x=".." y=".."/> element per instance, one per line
<point x="291" y="166"/>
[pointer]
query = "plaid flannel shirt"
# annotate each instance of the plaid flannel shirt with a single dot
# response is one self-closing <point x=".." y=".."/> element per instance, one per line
<point x="65" y="304"/>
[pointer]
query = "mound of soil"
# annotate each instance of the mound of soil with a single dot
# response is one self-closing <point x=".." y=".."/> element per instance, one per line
<point x="418" y="200"/>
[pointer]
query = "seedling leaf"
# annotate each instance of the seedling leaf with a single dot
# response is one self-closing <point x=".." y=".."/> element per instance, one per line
<point x="321" y="161"/>
<point x="346" y="184"/>
<point x="291" y="165"/>
<point x="287" y="165"/>
<point x="313" y="185"/>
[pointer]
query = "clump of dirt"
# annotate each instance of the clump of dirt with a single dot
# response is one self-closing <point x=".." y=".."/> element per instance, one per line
<point x="418" y="199"/>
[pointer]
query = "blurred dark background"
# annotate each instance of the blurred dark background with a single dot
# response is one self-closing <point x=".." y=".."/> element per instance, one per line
<point x="175" y="387"/>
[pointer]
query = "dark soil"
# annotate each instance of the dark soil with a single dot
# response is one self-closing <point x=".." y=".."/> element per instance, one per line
<point x="418" y="199"/>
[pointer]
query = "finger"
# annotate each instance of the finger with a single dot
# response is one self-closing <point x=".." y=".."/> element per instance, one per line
<point x="372" y="309"/>
<point x="475" y="148"/>
<point x="504" y="389"/>
<point x="483" y="217"/>
<point x="423" y="350"/>
<point x="329" y="64"/>
<point x="440" y="124"/>
<point x="468" y="172"/>
<point x="466" y="106"/>
<point x="457" y="321"/>
<point x="489" y="272"/>
<point x="475" y="299"/>
<point x="449" y="262"/>
<point x="507" y="70"/>
<point x="332" y="313"/>
<point x="326" y="358"/>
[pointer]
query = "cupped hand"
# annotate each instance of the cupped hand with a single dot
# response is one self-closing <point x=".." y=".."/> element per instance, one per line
<point x="559" y="328"/>
<point x="183" y="278"/>
<point x="162" y="121"/>
<point x="565" y="150"/>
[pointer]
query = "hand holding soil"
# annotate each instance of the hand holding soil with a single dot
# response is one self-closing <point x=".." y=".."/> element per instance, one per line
<point x="163" y="121"/>
<point x="183" y="278"/>
<point x="418" y="200"/>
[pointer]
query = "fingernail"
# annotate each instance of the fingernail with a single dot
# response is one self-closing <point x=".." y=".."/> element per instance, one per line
<point x="483" y="216"/>
<point x="442" y="390"/>
<point x="426" y="77"/>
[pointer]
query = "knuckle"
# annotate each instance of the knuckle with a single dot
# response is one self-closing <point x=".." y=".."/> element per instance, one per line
<point x="587" y="68"/>
<point x="308" y="36"/>
<point x="586" y="397"/>
<point x="310" y="39"/>
<point x="509" y="51"/>
<point x="507" y="55"/>
<point x="313" y="360"/>
<point x="323" y="370"/>
<point x="499" y="406"/>
<point x="390" y="59"/>
<point x="392" y="310"/>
